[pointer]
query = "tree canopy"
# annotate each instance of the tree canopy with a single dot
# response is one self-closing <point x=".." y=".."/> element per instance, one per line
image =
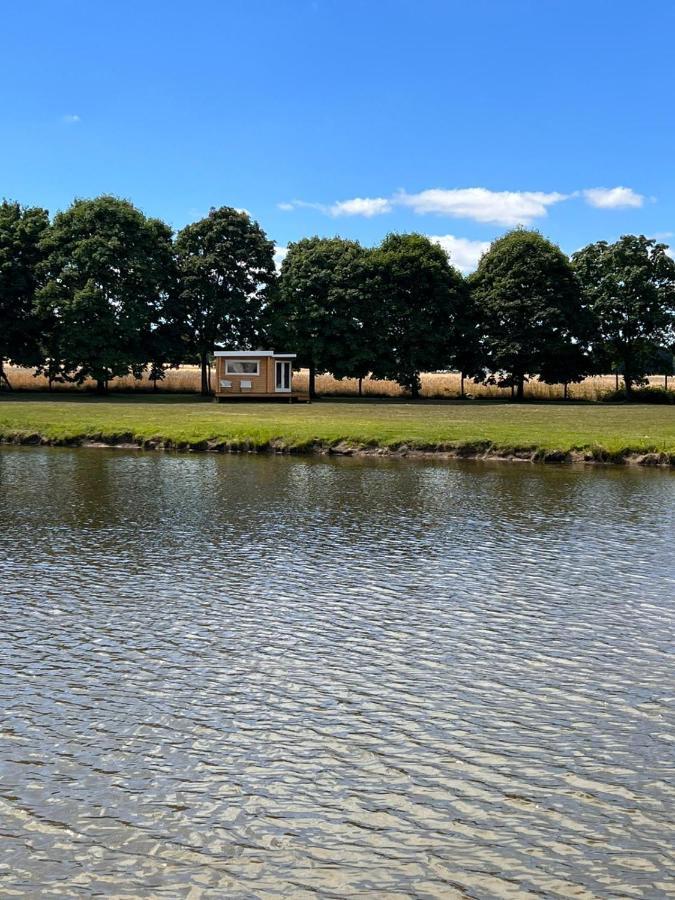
<point x="418" y="295"/>
<point x="106" y="274"/>
<point x="227" y="278"/>
<point x="323" y="307"/>
<point x="21" y="231"/>
<point x="531" y="309"/>
<point x="630" y="288"/>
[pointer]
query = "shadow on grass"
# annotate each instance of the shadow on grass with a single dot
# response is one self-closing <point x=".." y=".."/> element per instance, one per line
<point x="113" y="397"/>
<point x="86" y="397"/>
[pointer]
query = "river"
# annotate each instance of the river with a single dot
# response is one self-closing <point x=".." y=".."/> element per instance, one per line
<point x="254" y="677"/>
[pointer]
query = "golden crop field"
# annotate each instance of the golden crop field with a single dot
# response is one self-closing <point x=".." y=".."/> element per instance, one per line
<point x="436" y="385"/>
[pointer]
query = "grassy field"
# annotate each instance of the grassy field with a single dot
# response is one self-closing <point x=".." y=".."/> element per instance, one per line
<point x="547" y="430"/>
<point x="435" y="385"/>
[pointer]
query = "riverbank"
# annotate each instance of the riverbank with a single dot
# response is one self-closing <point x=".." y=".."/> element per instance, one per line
<point x="550" y="432"/>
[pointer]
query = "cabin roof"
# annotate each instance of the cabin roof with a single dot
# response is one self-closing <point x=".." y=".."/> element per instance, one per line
<point x="254" y="353"/>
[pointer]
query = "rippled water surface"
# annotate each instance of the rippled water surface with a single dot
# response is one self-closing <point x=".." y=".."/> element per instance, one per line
<point x="263" y="677"/>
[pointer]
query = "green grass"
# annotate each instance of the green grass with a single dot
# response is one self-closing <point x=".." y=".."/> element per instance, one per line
<point x="611" y="431"/>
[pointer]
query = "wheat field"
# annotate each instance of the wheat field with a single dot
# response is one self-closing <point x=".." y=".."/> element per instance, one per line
<point x="186" y="379"/>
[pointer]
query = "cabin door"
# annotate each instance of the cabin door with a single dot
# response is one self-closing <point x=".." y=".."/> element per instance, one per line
<point x="283" y="377"/>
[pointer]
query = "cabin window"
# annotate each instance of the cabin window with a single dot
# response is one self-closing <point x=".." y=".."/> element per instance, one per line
<point x="242" y="367"/>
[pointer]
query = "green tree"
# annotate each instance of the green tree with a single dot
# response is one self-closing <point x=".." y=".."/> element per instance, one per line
<point x="418" y="296"/>
<point x="322" y="310"/>
<point x="355" y="348"/>
<point x="468" y="353"/>
<point x="163" y="349"/>
<point x="630" y="288"/>
<point x="530" y="305"/>
<point x="21" y="230"/>
<point x="226" y="279"/>
<point x="106" y="272"/>
<point x="569" y="363"/>
<point x="661" y="361"/>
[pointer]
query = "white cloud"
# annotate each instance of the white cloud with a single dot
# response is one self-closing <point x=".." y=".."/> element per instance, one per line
<point x="613" y="198"/>
<point x="358" y="206"/>
<point x="71" y="119"/>
<point x="481" y="204"/>
<point x="361" y="206"/>
<point x="279" y="255"/>
<point x="464" y="253"/>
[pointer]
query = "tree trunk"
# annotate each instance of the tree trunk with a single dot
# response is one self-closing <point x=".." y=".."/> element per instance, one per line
<point x="312" y="382"/>
<point x="361" y="387"/>
<point x="628" y="381"/>
<point x="666" y="382"/>
<point x="101" y="386"/>
<point x="616" y="380"/>
<point x="565" y="392"/>
<point x="461" y="385"/>
<point x="203" y="362"/>
<point x="520" y="393"/>
<point x="513" y="391"/>
<point x="415" y="390"/>
<point x="3" y="376"/>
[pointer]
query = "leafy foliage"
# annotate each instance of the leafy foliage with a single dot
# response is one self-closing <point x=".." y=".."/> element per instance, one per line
<point x="21" y="230"/>
<point x="419" y="296"/>
<point x="630" y="286"/>
<point x="227" y="278"/>
<point x="106" y="274"/>
<point x="531" y="310"/>
<point x="323" y="308"/>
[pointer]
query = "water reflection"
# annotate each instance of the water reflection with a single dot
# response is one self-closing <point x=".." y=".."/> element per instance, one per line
<point x="265" y="677"/>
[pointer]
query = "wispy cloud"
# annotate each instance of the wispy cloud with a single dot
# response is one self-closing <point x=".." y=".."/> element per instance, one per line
<point x="482" y="205"/>
<point x="71" y="119"/>
<point x="358" y="206"/>
<point x="613" y="198"/>
<point x="303" y="204"/>
<point x="463" y="253"/>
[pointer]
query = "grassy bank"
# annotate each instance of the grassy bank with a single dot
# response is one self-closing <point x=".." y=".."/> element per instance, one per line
<point x="538" y="431"/>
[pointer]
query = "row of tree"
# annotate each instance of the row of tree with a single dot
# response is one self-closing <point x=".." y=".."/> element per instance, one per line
<point x="104" y="291"/>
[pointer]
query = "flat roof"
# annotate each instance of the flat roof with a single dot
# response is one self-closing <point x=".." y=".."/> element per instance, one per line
<point x="253" y="353"/>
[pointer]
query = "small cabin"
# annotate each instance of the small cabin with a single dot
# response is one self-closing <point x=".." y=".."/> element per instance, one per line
<point x="255" y="375"/>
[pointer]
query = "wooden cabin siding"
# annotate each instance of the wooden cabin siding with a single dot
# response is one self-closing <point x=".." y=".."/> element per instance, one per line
<point x="260" y="384"/>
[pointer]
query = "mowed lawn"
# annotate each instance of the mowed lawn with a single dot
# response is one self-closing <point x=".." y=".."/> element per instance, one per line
<point x="612" y="429"/>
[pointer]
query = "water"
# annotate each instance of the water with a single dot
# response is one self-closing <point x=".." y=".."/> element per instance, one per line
<point x="263" y="677"/>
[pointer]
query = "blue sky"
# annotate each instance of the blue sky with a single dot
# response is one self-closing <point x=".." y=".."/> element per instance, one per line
<point x="455" y="119"/>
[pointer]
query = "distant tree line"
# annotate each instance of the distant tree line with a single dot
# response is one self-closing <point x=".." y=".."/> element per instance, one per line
<point x="103" y="291"/>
